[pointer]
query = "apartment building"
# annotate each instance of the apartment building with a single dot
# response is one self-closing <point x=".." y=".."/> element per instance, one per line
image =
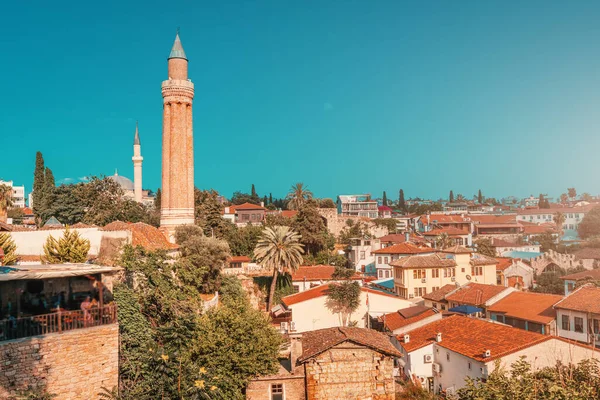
<point x="357" y="205"/>
<point x="18" y="193"/>
<point x="385" y="256"/>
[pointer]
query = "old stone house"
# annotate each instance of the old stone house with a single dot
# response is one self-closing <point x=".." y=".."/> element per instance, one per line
<point x="332" y="364"/>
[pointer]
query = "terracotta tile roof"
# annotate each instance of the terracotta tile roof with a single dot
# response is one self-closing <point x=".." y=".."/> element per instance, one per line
<point x="400" y="238"/>
<point x="384" y="208"/>
<point x="587" y="253"/>
<point x="475" y="294"/>
<point x="396" y="320"/>
<point x="564" y="210"/>
<point x="536" y="307"/>
<point x="5" y="227"/>
<point x="471" y="337"/>
<point x="445" y="219"/>
<point x="27" y="211"/>
<point x="247" y="206"/>
<point x="322" y="290"/>
<point x="494" y="219"/>
<point x="585" y="299"/>
<point x="289" y="213"/>
<point x="143" y="235"/>
<point x="503" y="263"/>
<point x="239" y="259"/>
<point x="580" y="276"/>
<point x="450" y="231"/>
<point x="316" y="273"/>
<point x="316" y="342"/>
<point x="427" y="261"/>
<point x="440" y="294"/>
<point x="457" y="249"/>
<point x="480" y="259"/>
<point x="404" y="248"/>
<point x="531" y="228"/>
<point x="505" y="243"/>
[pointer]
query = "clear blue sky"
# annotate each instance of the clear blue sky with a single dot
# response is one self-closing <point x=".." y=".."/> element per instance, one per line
<point x="345" y="96"/>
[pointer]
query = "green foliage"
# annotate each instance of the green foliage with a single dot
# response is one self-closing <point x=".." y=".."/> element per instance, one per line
<point x="48" y="198"/>
<point x="343" y="298"/>
<point x="388" y="223"/>
<point x="312" y="229"/>
<point x="298" y="196"/>
<point x="5" y="200"/>
<point x="411" y="391"/>
<point x="7" y="244"/>
<point x="241" y="198"/>
<point x="451" y="197"/>
<point x="279" y="249"/>
<point x="401" y="201"/>
<point x="38" y="186"/>
<point x="479" y="197"/>
<point x="546" y="241"/>
<point x="550" y="282"/>
<point x="70" y="248"/>
<point x="33" y="393"/>
<point x="242" y="241"/>
<point x="67" y="206"/>
<point x="353" y="230"/>
<point x="208" y="212"/>
<point x="16" y="213"/>
<point x="590" y="225"/>
<point x="272" y="220"/>
<point x="384" y="200"/>
<point x="325" y="257"/>
<point x="342" y="272"/>
<point x="484" y="246"/>
<point x="559" y="219"/>
<point x="326" y="203"/>
<point x="572" y="192"/>
<point x="443" y="241"/>
<point x="573" y="382"/>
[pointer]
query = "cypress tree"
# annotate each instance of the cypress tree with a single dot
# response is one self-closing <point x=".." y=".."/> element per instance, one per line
<point x="541" y="201"/>
<point x="253" y="193"/>
<point x="401" y="202"/>
<point x="270" y="198"/>
<point x="265" y="200"/>
<point x="451" y="197"/>
<point x="384" y="198"/>
<point x="480" y="197"/>
<point x="38" y="183"/>
<point x="157" y="199"/>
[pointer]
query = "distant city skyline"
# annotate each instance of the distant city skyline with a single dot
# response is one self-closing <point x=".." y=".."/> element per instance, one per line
<point x="352" y="98"/>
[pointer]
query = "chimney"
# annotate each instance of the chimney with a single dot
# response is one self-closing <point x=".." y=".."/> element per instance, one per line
<point x="406" y="236"/>
<point x="406" y="338"/>
<point x="262" y="203"/>
<point x="438" y="337"/>
<point x="488" y="353"/>
<point x="295" y="349"/>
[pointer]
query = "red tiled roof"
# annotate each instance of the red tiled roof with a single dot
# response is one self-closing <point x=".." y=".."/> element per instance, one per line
<point x="445" y="219"/>
<point x="393" y="321"/>
<point x="142" y="234"/>
<point x="322" y="290"/>
<point x="316" y="342"/>
<point x="588" y="253"/>
<point x="247" y="206"/>
<point x="399" y="238"/>
<point x="503" y="263"/>
<point x="471" y="337"/>
<point x="481" y="259"/>
<point x="27" y="211"/>
<point x="384" y="208"/>
<point x="239" y="259"/>
<point x="536" y="307"/>
<point x="475" y="294"/>
<point x="585" y="299"/>
<point x="580" y="276"/>
<point x="457" y="249"/>
<point x="289" y="213"/>
<point x="531" y="228"/>
<point x="440" y="294"/>
<point x="316" y="273"/>
<point x="494" y="219"/>
<point x="427" y="261"/>
<point x="404" y="248"/>
<point x="450" y="231"/>
<point x="504" y="243"/>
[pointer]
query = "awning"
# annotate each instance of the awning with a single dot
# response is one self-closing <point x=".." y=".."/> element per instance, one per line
<point x="51" y="271"/>
<point x="464" y="309"/>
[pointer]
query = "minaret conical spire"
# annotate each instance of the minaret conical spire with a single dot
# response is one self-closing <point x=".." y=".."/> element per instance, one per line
<point x="136" y="138"/>
<point x="177" y="50"/>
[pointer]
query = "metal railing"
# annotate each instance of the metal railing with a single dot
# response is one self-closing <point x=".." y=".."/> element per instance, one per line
<point x="57" y="322"/>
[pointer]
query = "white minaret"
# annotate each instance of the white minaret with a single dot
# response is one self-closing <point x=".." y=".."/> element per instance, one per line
<point x="137" y="165"/>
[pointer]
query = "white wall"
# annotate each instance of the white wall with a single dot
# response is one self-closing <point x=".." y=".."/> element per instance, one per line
<point x="455" y="370"/>
<point x="571" y="334"/>
<point x="313" y="314"/>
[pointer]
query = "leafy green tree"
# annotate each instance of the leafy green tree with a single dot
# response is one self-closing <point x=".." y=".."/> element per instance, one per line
<point x="67" y="206"/>
<point x="312" y="229"/>
<point x="484" y="246"/>
<point x="7" y="244"/>
<point x="5" y="201"/>
<point x="564" y="198"/>
<point x="208" y="212"/>
<point x="590" y="225"/>
<point x="241" y="198"/>
<point x="253" y="192"/>
<point x="326" y="203"/>
<point x="546" y="241"/>
<point x="353" y="230"/>
<point x="280" y="250"/>
<point x="38" y="186"/>
<point x="202" y="259"/>
<point x="389" y="223"/>
<point x="586" y="197"/>
<point x="384" y="201"/>
<point x="278" y="220"/>
<point x="559" y="220"/>
<point x="298" y="196"/>
<point x="70" y="248"/>
<point x="401" y="201"/>
<point x="572" y="193"/>
<point x="270" y="198"/>
<point x="242" y="241"/>
<point x="343" y="297"/>
<point x="443" y="241"/>
<point x="157" y="199"/>
<point x="325" y="257"/>
<point x="451" y="197"/>
<point x="16" y="213"/>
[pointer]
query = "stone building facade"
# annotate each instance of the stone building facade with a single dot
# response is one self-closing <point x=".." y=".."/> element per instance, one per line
<point x="73" y="365"/>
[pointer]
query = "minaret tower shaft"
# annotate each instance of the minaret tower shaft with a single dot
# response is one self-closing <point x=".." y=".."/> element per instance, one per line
<point x="177" y="201"/>
<point x="137" y="165"/>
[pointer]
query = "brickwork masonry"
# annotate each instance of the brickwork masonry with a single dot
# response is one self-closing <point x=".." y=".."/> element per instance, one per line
<point x="73" y="365"/>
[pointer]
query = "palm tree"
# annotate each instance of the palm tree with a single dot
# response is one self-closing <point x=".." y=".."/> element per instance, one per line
<point x="443" y="241"/>
<point x="5" y="201"/>
<point x="279" y="249"/>
<point x="298" y="195"/>
<point x="559" y="220"/>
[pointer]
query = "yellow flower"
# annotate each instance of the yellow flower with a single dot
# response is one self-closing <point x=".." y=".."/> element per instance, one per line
<point x="165" y="357"/>
<point x="202" y="370"/>
<point x="199" y="384"/>
<point x="213" y="388"/>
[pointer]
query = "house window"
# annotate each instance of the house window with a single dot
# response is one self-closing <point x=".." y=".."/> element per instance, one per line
<point x="379" y="260"/>
<point x="449" y="272"/>
<point x="245" y="217"/>
<point x="435" y="273"/>
<point x="362" y="255"/>
<point x="387" y="274"/>
<point x="596" y="324"/>
<point x="380" y="274"/>
<point x="296" y="288"/>
<point x="477" y="271"/>
<point x="434" y="305"/>
<point x="277" y="391"/>
<point x="579" y="324"/>
<point x="385" y="260"/>
<point x="420" y="291"/>
<point x="447" y="356"/>
<point x="469" y="365"/>
<point x="419" y="273"/>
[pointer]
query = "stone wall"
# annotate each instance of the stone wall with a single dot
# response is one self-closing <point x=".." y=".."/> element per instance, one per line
<point x="72" y="365"/>
<point x="564" y="261"/>
<point x="293" y="388"/>
<point x="336" y="223"/>
<point x="349" y="371"/>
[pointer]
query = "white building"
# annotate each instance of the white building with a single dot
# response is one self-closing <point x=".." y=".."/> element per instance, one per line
<point x="359" y="205"/>
<point x="573" y="215"/>
<point x="309" y="276"/>
<point x="578" y="315"/>
<point x="443" y="353"/>
<point x="310" y="310"/>
<point x="18" y="193"/>
<point x="361" y="252"/>
<point x="385" y="256"/>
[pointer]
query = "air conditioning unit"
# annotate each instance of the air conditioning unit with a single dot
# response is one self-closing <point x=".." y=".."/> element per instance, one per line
<point x="487" y="353"/>
<point x="428" y="358"/>
<point x="423" y="379"/>
<point x="436" y="367"/>
<point x="453" y="279"/>
<point x="283" y="327"/>
<point x="292" y="326"/>
<point x="423" y="280"/>
<point x="411" y="296"/>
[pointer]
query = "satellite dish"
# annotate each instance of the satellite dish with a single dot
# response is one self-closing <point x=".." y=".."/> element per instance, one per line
<point x="468" y="277"/>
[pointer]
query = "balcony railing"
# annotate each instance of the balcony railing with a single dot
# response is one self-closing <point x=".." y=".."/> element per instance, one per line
<point x="57" y="322"/>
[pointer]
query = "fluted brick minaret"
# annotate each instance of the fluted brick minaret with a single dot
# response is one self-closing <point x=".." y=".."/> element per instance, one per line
<point x="177" y="201"/>
<point x="137" y="165"/>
